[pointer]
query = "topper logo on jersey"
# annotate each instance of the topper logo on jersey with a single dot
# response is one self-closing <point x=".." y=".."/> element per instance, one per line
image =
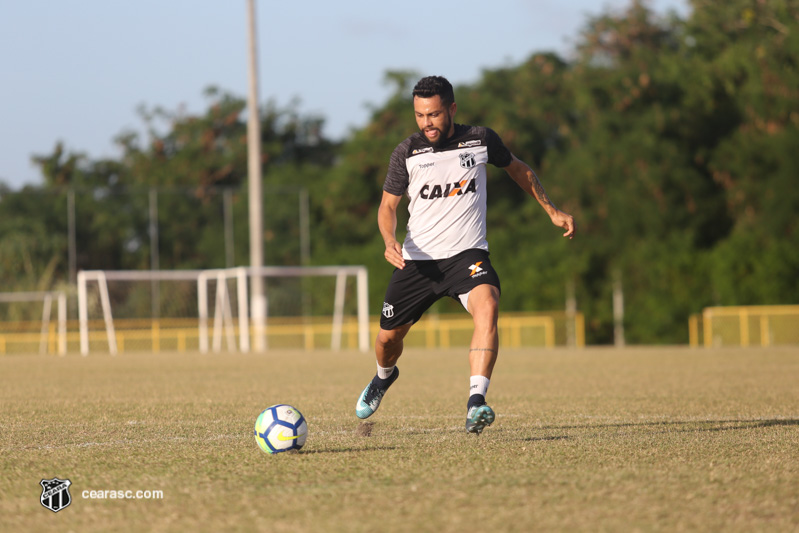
<point x="468" y="144"/>
<point x="452" y="189"/>
<point x="467" y="160"/>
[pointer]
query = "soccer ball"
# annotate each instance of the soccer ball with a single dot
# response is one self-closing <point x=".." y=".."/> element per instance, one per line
<point x="280" y="428"/>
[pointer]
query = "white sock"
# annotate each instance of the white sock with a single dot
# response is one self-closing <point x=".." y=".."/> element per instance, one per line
<point x="478" y="385"/>
<point x="384" y="373"/>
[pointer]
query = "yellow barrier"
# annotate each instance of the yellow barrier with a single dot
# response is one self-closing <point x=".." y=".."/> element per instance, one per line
<point x="754" y="325"/>
<point x="694" y="330"/>
<point x="433" y="331"/>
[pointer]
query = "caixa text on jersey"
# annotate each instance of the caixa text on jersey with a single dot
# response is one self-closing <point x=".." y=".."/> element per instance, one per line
<point x="452" y="189"/>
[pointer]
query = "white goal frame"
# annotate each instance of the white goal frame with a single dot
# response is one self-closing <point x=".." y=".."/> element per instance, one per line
<point x="102" y="277"/>
<point x="223" y="316"/>
<point x="46" y="297"/>
<point x="341" y="273"/>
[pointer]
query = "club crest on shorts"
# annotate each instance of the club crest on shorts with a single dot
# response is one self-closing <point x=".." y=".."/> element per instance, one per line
<point x="388" y="310"/>
<point x="55" y="493"/>
<point x="467" y="160"/>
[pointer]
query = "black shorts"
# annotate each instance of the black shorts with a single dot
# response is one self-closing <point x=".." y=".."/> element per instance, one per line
<point x="420" y="284"/>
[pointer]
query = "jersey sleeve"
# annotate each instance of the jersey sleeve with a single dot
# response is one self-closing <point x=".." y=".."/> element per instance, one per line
<point x="397" y="178"/>
<point x="498" y="153"/>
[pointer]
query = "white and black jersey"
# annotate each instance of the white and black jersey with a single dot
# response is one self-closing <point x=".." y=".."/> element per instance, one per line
<point x="446" y="186"/>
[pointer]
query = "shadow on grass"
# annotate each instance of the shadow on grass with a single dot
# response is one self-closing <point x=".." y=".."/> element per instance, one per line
<point x="679" y="426"/>
<point x="550" y="438"/>
<point x="348" y="450"/>
<point x="737" y="424"/>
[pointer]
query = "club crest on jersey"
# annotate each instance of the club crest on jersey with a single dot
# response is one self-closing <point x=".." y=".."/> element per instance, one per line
<point x="467" y="160"/>
<point x="451" y="189"/>
<point x="388" y="310"/>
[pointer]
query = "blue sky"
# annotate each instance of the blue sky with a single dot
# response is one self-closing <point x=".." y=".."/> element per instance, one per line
<point x="77" y="70"/>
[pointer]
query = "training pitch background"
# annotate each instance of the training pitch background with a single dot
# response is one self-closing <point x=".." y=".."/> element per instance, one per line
<point x="599" y="439"/>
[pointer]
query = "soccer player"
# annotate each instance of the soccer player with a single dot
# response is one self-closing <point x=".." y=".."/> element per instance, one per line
<point x="442" y="169"/>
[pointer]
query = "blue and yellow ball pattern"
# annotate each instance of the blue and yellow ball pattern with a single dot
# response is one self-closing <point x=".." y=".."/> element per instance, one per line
<point x="280" y="428"/>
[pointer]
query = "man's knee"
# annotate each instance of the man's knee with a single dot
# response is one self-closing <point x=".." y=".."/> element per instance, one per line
<point x="486" y="317"/>
<point x="484" y="304"/>
<point x="392" y="337"/>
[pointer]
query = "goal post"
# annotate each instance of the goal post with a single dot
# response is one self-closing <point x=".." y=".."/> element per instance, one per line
<point x="223" y="315"/>
<point x="228" y="303"/>
<point x="341" y="273"/>
<point x="101" y="277"/>
<point x="46" y="297"/>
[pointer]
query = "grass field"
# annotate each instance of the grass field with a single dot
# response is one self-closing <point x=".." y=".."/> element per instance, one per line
<point x="649" y="439"/>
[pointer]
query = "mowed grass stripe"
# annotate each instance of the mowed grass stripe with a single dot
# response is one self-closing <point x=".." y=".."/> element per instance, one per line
<point x="655" y="439"/>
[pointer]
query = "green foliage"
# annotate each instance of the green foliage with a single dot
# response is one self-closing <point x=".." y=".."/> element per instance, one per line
<point x="671" y="140"/>
<point x="29" y="253"/>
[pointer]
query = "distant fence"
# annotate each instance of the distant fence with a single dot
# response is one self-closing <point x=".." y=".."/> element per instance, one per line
<point x="753" y="325"/>
<point x="181" y="335"/>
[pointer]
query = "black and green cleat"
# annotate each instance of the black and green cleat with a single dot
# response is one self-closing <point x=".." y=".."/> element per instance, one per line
<point x="478" y="417"/>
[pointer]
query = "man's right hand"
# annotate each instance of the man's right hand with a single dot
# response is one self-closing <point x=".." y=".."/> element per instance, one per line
<point x="394" y="254"/>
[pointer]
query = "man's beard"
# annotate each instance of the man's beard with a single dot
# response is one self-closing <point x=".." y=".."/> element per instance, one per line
<point x="442" y="135"/>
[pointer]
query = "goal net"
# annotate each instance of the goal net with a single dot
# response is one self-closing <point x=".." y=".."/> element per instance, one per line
<point x="210" y="310"/>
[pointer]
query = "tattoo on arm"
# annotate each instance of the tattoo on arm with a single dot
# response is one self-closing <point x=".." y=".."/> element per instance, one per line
<point x="540" y="193"/>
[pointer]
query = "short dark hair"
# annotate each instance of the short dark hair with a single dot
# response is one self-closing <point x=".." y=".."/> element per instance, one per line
<point x="431" y="86"/>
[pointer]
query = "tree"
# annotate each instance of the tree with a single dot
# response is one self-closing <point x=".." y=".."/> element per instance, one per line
<point x="671" y="141"/>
